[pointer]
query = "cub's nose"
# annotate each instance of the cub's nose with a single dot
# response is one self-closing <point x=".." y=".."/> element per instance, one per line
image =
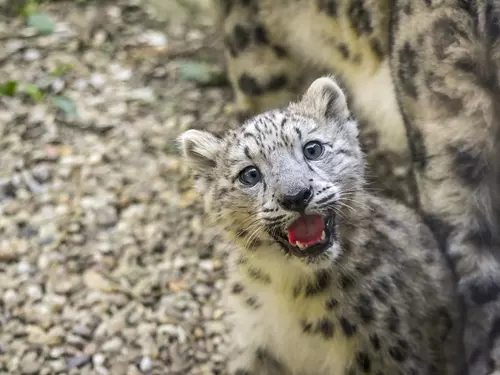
<point x="297" y="202"/>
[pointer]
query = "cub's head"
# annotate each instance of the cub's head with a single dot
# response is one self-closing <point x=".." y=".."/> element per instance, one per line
<point x="286" y="176"/>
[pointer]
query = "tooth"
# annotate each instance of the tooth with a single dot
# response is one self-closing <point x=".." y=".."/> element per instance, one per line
<point x="300" y="245"/>
<point x="323" y="236"/>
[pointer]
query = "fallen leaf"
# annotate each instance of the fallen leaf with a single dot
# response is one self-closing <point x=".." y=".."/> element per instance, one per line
<point x="202" y="73"/>
<point x="8" y="88"/>
<point x="65" y="104"/>
<point x="41" y="22"/>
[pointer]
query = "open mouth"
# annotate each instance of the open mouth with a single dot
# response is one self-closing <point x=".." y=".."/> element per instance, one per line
<point x="311" y="235"/>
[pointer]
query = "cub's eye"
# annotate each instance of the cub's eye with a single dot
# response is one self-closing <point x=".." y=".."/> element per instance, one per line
<point x="313" y="150"/>
<point x="250" y="176"/>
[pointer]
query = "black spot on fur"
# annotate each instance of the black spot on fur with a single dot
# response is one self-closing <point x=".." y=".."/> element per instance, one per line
<point x="377" y="48"/>
<point x="348" y="328"/>
<point x="481" y="234"/>
<point x="230" y="47"/>
<point x="249" y="85"/>
<point x="408" y="8"/>
<point x="252" y="302"/>
<point x="470" y="166"/>
<point x="261" y="35"/>
<point x="242" y="372"/>
<point x="344" y="50"/>
<point x="483" y="292"/>
<point x="445" y="33"/>
<point x="325" y="326"/>
<point x="306" y="326"/>
<point x="241" y="38"/>
<point x="330" y="7"/>
<point x="408" y="69"/>
<point x="246" y="150"/>
<point x="277" y="82"/>
<point x="259" y="275"/>
<point x="374" y="339"/>
<point x="393" y="320"/>
<point x="397" y="353"/>
<point x="320" y="283"/>
<point x="365" y="308"/>
<point x="418" y="149"/>
<point x="226" y="6"/>
<point x="359" y="17"/>
<point x="280" y="51"/>
<point x="443" y="322"/>
<point x="364" y="362"/>
<point x="237" y="288"/>
<point x="381" y="296"/>
<point x="440" y="228"/>
<point x="345" y="282"/>
<point x="331" y="304"/>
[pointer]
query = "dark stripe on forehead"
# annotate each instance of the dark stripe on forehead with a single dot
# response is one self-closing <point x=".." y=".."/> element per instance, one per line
<point x="247" y="152"/>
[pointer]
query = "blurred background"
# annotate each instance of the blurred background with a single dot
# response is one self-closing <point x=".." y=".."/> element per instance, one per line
<point x="105" y="264"/>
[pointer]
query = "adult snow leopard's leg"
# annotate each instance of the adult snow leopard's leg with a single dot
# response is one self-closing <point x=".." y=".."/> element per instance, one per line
<point x="449" y="94"/>
<point x="262" y="73"/>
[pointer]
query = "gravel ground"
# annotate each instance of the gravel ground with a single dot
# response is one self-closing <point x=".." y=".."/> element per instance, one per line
<point x="106" y="266"/>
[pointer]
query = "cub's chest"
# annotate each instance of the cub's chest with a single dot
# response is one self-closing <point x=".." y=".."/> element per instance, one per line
<point x="300" y="332"/>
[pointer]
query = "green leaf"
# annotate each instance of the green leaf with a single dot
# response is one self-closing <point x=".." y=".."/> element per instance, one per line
<point x="202" y="73"/>
<point x="8" y="88"/>
<point x="61" y="69"/>
<point x="34" y="92"/>
<point x="41" y="22"/>
<point x="65" y="104"/>
<point x="29" y="8"/>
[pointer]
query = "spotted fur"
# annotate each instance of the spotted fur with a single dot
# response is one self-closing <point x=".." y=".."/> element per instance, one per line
<point x="380" y="299"/>
<point x="422" y="71"/>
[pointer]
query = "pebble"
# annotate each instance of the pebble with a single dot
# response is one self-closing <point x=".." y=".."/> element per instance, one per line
<point x="98" y="359"/>
<point x="10" y="298"/>
<point x="113" y="345"/>
<point x="97" y="81"/>
<point x="154" y="38"/>
<point x="106" y="216"/>
<point x="31" y="54"/>
<point x="34" y="292"/>
<point x="146" y="364"/>
<point x="78" y="361"/>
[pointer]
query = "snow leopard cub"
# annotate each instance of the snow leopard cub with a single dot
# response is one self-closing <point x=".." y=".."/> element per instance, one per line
<point x="325" y="278"/>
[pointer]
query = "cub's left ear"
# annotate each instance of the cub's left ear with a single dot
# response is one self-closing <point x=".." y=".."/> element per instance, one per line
<point x="325" y="99"/>
<point x="200" y="149"/>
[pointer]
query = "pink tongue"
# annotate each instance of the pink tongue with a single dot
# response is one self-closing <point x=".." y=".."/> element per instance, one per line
<point x="306" y="229"/>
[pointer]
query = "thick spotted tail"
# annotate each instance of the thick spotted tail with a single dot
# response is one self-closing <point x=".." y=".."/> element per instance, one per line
<point x="446" y="62"/>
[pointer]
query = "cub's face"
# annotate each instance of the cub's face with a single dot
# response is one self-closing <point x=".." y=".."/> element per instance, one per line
<point x="286" y="176"/>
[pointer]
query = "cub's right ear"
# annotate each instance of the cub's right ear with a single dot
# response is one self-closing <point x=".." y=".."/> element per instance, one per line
<point x="200" y="149"/>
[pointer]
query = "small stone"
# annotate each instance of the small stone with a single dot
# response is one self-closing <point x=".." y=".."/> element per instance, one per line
<point x="10" y="298"/>
<point x="112" y="345"/>
<point x="23" y="268"/>
<point x="57" y="85"/>
<point x="106" y="216"/>
<point x="154" y="38"/>
<point x="146" y="364"/>
<point x="79" y="361"/>
<point x="97" y="81"/>
<point x="58" y="365"/>
<point x="94" y="280"/>
<point x="98" y="359"/>
<point x="8" y="254"/>
<point x="34" y="292"/>
<point x="30" y="364"/>
<point x="31" y="54"/>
